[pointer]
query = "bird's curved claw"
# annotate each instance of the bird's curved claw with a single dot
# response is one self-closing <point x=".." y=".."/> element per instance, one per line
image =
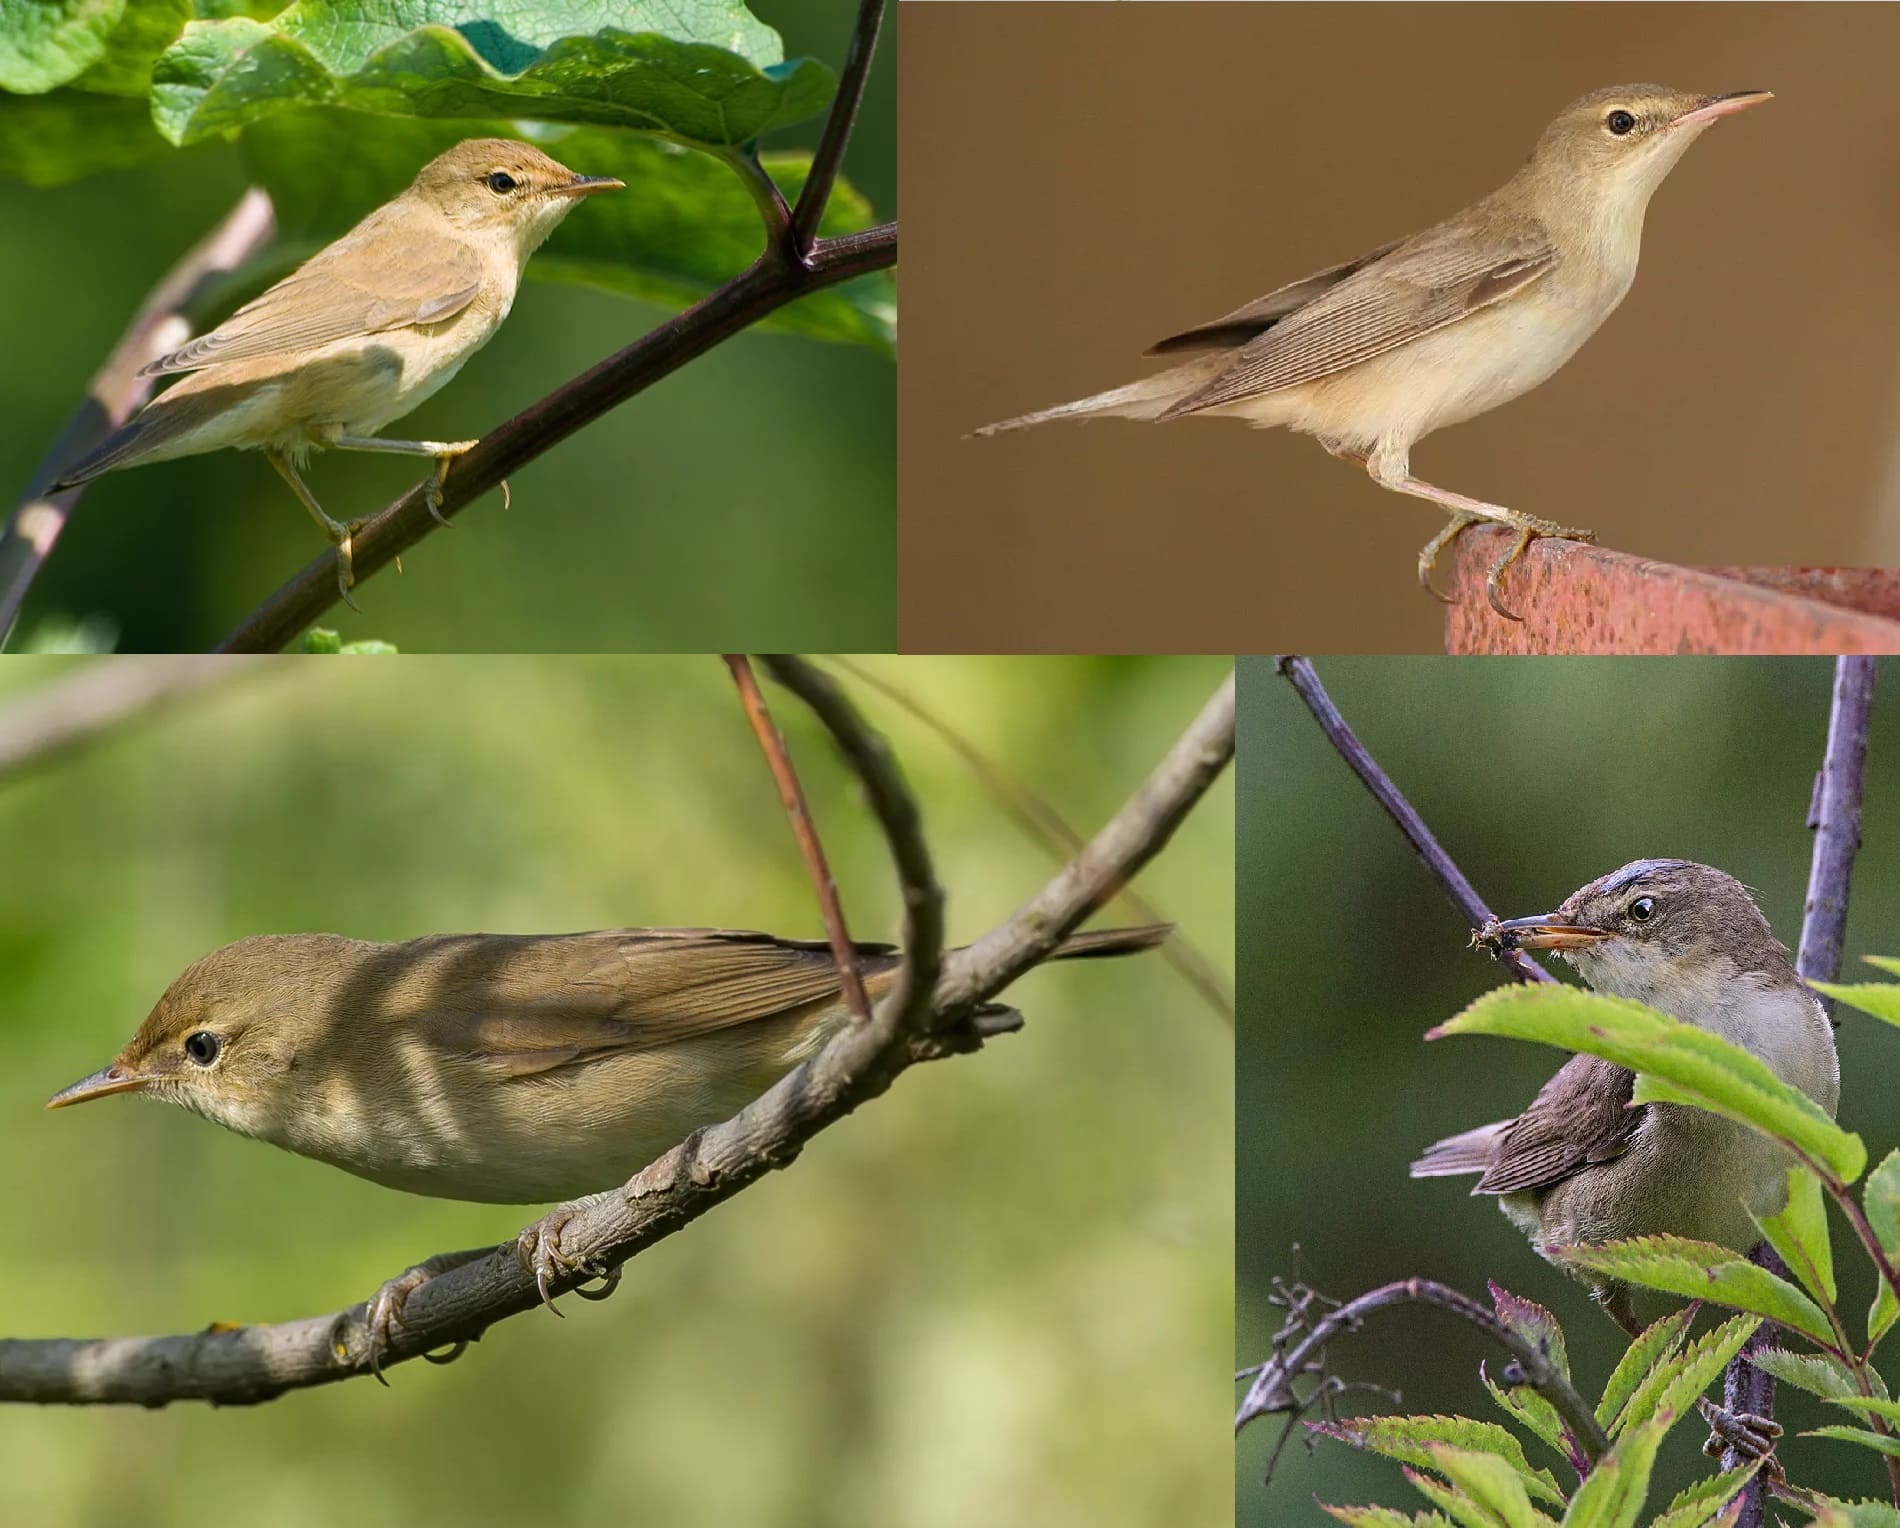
<point x="1455" y="527"/>
<point x="539" y="1250"/>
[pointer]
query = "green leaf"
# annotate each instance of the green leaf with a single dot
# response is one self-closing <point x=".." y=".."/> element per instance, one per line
<point x="1614" y="1491"/>
<point x="1819" y="1374"/>
<point x="1868" y="1405"/>
<point x="1529" y="1408"/>
<point x="45" y="43"/>
<point x="1533" y="1323"/>
<point x="47" y="140"/>
<point x="1881" y="999"/>
<point x="1880" y="1201"/>
<point x="1383" y="1517"/>
<point x="1880" y="1443"/>
<point x="699" y="71"/>
<point x="1460" y="1508"/>
<point x="1835" y="1513"/>
<point x="683" y="226"/>
<point x="1799" y="1234"/>
<point x="1419" y="1440"/>
<point x="1490" y="1482"/>
<point x="1703" y="1271"/>
<point x="1676" y="1061"/>
<point x="1655" y="1343"/>
<point x="1695" y="1504"/>
<point x="1674" y="1383"/>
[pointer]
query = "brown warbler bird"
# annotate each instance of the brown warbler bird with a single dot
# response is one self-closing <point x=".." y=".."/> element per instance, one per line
<point x="1373" y="355"/>
<point x="1580" y="1164"/>
<point x="363" y="331"/>
<point x="505" y="1068"/>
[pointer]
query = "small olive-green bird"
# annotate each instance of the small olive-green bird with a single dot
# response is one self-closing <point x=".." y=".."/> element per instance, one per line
<point x="1373" y="355"/>
<point x="504" y="1068"/>
<point x="363" y="331"/>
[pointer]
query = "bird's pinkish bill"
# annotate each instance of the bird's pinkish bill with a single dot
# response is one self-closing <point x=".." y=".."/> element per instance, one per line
<point x="1722" y="106"/>
<point x="101" y="1084"/>
<point x="587" y="185"/>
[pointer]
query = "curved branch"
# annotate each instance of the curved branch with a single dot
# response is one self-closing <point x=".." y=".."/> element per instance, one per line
<point x="1272" y="1388"/>
<point x="117" y="391"/>
<point x="926" y="1016"/>
<point x="1298" y="672"/>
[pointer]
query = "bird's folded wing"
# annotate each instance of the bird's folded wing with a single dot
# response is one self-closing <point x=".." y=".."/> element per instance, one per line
<point x="566" y="999"/>
<point x="1234" y="329"/>
<point x="1422" y="286"/>
<point x="377" y="278"/>
<point x="1581" y="1117"/>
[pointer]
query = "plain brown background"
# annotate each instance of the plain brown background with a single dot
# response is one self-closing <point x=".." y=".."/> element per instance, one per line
<point x="1079" y="180"/>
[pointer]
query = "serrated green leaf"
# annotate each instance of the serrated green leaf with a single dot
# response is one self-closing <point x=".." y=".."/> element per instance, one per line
<point x="1880" y="1201"/>
<point x="1654" y="1343"/>
<point x="1799" y="1234"/>
<point x="1534" y="1324"/>
<point x="699" y="71"/>
<point x="683" y="226"/>
<point x="1532" y="1411"/>
<point x="1489" y="1481"/>
<point x="1612" y="1494"/>
<point x="1383" y="1517"/>
<point x="1674" y="1060"/>
<point x="1879" y="999"/>
<point x="1817" y="1373"/>
<point x="1880" y="1443"/>
<point x="1868" y="1406"/>
<point x="1703" y="1271"/>
<point x="1417" y="1440"/>
<point x="1674" y="1382"/>
<point x="1836" y="1513"/>
<point x="1460" y="1508"/>
<point x="1694" y="1505"/>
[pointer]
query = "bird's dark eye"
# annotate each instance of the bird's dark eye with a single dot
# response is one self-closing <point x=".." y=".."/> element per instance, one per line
<point x="500" y="182"/>
<point x="1619" y="122"/>
<point x="1642" y="909"/>
<point x="203" y="1046"/>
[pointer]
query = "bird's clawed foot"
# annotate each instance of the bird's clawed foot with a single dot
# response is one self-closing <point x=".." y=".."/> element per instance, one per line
<point x="345" y="538"/>
<point x="1455" y="527"/>
<point x="384" y="1314"/>
<point x="1751" y="1437"/>
<point x="1528" y="527"/>
<point x="432" y="490"/>
<point x="539" y="1249"/>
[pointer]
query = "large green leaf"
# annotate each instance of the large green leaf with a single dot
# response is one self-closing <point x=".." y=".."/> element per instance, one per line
<point x="684" y="225"/>
<point x="1678" y="1062"/>
<point x="1419" y="1440"/>
<point x="1651" y="1346"/>
<point x="45" y="43"/>
<point x="700" y="71"/>
<point x="1880" y="1201"/>
<point x="1612" y="1494"/>
<point x="1799" y="1233"/>
<point x="1819" y="1374"/>
<point x="1695" y="1504"/>
<point x="1674" y="1383"/>
<point x="1703" y="1271"/>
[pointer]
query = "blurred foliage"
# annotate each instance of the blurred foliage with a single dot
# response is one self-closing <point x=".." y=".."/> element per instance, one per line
<point x="650" y="531"/>
<point x="1000" y="1294"/>
<point x="1537" y="775"/>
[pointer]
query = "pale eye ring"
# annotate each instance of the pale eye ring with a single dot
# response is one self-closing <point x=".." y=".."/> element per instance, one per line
<point x="1642" y="909"/>
<point x="1619" y="122"/>
<point x="203" y="1047"/>
<point x="500" y="182"/>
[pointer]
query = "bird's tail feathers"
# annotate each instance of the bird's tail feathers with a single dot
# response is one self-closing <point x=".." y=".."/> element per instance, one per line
<point x="1113" y="941"/>
<point x="1469" y="1152"/>
<point x="1146" y="399"/>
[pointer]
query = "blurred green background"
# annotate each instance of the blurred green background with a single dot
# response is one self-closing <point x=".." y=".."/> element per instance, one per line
<point x="1002" y="1293"/>
<point x="745" y="502"/>
<point x="1537" y="775"/>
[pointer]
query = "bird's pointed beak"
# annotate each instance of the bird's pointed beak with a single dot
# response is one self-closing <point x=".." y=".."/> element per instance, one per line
<point x="101" y="1084"/>
<point x="1709" y="108"/>
<point x="1546" y="931"/>
<point x="587" y="185"/>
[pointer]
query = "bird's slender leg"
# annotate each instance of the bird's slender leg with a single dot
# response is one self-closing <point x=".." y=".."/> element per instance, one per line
<point x="338" y="532"/>
<point x="1390" y="470"/>
<point x="444" y="452"/>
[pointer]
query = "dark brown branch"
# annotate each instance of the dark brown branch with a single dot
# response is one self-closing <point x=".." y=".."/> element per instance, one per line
<point x="1044" y="822"/>
<point x="1835" y="818"/>
<point x="1273" y="1387"/>
<point x="792" y="797"/>
<point x="1299" y="673"/>
<point x="920" y="1020"/>
<point x="829" y="158"/>
<point x="117" y="391"/>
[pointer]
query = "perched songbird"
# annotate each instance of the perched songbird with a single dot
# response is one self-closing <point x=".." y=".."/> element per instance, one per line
<point x="1580" y="1164"/>
<point x="363" y="331"/>
<point x="1373" y="355"/>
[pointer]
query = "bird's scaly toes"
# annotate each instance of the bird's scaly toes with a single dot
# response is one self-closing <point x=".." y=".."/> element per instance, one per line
<point x="1529" y="529"/>
<point x="1428" y="554"/>
<point x="385" y="1315"/>
<point x="539" y="1249"/>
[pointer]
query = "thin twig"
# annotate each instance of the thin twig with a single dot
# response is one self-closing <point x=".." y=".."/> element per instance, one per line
<point x="913" y="1023"/>
<point x="1299" y="673"/>
<point x="117" y="391"/>
<point x="1042" y="821"/>
<point x="1835" y="818"/>
<point x="829" y="158"/>
<point x="792" y="798"/>
<point x="1272" y="1389"/>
